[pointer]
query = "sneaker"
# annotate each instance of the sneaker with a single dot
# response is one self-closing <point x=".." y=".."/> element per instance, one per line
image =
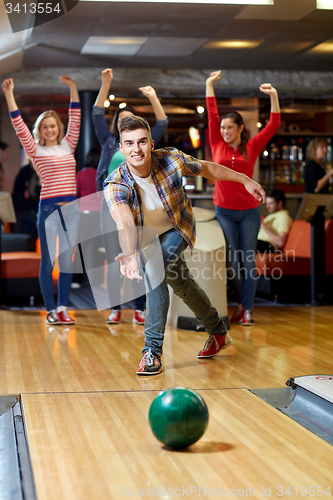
<point x="114" y="318"/>
<point x="65" y="318"/>
<point x="139" y="317"/>
<point x="52" y="318"/>
<point x="150" y="364"/>
<point x="247" y="319"/>
<point x="238" y="314"/>
<point x="214" y="344"/>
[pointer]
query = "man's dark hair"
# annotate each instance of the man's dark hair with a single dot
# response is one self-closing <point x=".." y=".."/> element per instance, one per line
<point x="277" y="194"/>
<point x="3" y="145"/>
<point x="130" y="123"/>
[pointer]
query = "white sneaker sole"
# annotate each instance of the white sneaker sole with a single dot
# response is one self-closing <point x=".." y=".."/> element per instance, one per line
<point x="136" y="322"/>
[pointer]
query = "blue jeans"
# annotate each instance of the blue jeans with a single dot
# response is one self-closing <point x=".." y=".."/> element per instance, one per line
<point x="49" y="237"/>
<point x="241" y="228"/>
<point x="177" y="275"/>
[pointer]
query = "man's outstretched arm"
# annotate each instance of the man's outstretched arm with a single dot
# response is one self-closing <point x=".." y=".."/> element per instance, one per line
<point x="218" y="172"/>
<point x="127" y="231"/>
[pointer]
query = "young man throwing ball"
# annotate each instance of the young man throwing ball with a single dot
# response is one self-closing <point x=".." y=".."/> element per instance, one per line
<point x="146" y="190"/>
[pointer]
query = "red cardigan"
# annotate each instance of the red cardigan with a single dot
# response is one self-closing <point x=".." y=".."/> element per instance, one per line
<point x="228" y="194"/>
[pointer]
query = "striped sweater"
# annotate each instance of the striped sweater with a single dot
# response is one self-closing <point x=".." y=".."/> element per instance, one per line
<point x="55" y="165"/>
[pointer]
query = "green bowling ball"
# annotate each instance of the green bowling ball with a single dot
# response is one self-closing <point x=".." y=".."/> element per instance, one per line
<point x="178" y="417"/>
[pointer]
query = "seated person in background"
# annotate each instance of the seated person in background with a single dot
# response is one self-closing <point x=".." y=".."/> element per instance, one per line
<point x="276" y="225"/>
<point x="315" y="176"/>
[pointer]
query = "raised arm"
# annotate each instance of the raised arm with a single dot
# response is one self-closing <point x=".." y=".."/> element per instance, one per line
<point x="267" y="88"/>
<point x="20" y="127"/>
<point x="67" y="80"/>
<point x="98" y="111"/>
<point x="214" y="120"/>
<point x="150" y="93"/>
<point x="107" y="77"/>
<point x="214" y="76"/>
<point x="263" y="137"/>
<point x="74" y="122"/>
<point x="161" y="124"/>
<point x="8" y="90"/>
<point x="215" y="171"/>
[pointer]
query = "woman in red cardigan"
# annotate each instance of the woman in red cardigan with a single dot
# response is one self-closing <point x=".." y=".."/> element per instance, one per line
<point x="236" y="211"/>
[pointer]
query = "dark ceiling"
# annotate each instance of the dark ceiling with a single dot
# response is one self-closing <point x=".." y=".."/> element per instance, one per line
<point x="174" y="46"/>
<point x="179" y="36"/>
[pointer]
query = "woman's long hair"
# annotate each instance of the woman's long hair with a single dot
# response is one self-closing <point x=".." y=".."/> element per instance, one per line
<point x="313" y="145"/>
<point x="238" y="119"/>
<point x="38" y="122"/>
<point x="114" y="129"/>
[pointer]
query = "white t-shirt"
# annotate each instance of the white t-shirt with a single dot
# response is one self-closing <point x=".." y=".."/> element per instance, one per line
<point x="154" y="214"/>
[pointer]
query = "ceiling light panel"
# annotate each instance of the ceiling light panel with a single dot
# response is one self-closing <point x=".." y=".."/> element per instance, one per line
<point x="325" y="48"/>
<point x="170" y="47"/>
<point x="113" y="45"/>
<point x="325" y="4"/>
<point x="232" y="44"/>
<point x="284" y="47"/>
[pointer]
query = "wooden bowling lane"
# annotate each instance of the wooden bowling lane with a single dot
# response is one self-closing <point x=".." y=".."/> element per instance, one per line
<point x="92" y="356"/>
<point x="99" y="446"/>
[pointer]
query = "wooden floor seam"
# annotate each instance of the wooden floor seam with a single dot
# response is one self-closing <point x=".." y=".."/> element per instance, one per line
<point x="132" y="391"/>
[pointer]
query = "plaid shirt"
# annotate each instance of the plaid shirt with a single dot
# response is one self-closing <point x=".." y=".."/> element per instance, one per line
<point x="169" y="166"/>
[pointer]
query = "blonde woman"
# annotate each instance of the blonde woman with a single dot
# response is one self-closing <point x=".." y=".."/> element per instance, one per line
<point x="315" y="176"/>
<point x="53" y="159"/>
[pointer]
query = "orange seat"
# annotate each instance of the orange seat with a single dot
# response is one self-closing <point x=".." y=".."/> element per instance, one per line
<point x="299" y="239"/>
<point x="20" y="265"/>
<point x="295" y="259"/>
<point x="19" y="268"/>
